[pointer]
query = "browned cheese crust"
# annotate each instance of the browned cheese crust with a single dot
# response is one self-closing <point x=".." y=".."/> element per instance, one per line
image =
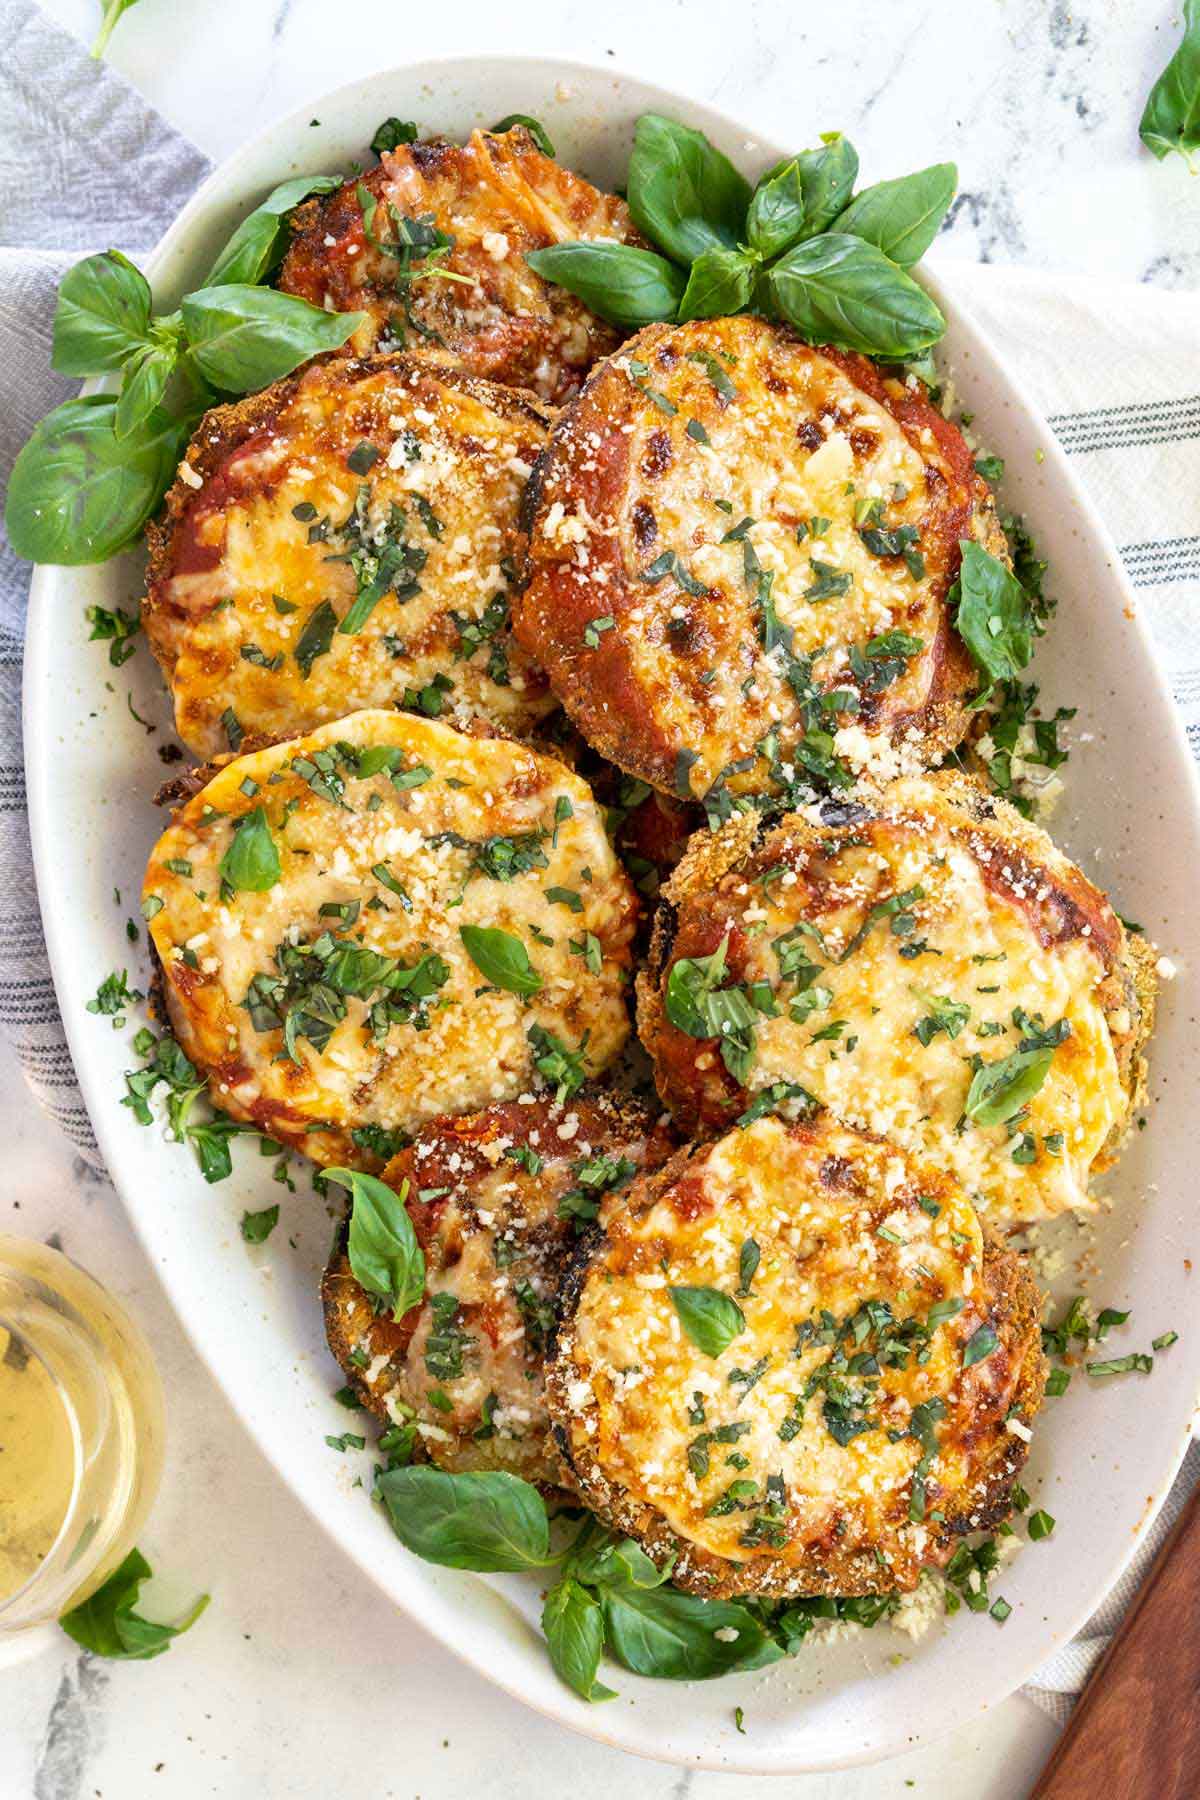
<point x="497" y="1201"/>
<point x="705" y="559"/>
<point x="793" y="1460"/>
<point x="498" y="197"/>
<point x="896" y="935"/>
<point x="384" y="475"/>
<point x="339" y="1003"/>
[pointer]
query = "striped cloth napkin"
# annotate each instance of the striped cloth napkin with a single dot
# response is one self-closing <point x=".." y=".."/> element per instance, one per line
<point x="1117" y="369"/>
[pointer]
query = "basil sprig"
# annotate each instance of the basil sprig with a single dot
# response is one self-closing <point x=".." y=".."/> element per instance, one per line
<point x="256" y="248"/>
<point x="78" y="493"/>
<point x="95" y="469"/>
<point x="573" y="1621"/>
<point x="902" y="217"/>
<point x="108" y="1624"/>
<point x="680" y="1637"/>
<point x="684" y="194"/>
<point x="800" y="247"/>
<point x="838" y="289"/>
<point x="620" y="282"/>
<point x="1171" y="120"/>
<point x="385" y="1257"/>
<point x="244" y="338"/>
<point x="491" y="1522"/>
<point x="609" y="1595"/>
<point x="102" y="316"/>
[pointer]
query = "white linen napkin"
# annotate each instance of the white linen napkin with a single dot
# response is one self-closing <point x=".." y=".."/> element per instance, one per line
<point x="85" y="164"/>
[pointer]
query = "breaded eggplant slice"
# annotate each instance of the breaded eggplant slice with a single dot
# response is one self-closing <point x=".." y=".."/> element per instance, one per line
<point x="346" y="539"/>
<point x="730" y="527"/>
<point x="859" y="1418"/>
<point x="336" y="1001"/>
<point x="478" y="303"/>
<point x="875" y="952"/>
<point x="497" y="1201"/>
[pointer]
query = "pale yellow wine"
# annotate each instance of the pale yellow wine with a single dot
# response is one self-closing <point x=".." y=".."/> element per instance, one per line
<point x="38" y="1462"/>
<point x="81" y="1432"/>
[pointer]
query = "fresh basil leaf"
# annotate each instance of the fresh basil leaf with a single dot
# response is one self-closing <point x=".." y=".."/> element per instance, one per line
<point x="994" y="618"/>
<point x="102" y="316"/>
<point x="839" y="290"/>
<point x="902" y="217"/>
<point x="777" y="214"/>
<point x="78" y="493"/>
<point x="391" y="133"/>
<point x="107" y="1624"/>
<point x="574" y="1628"/>
<point x="501" y="957"/>
<point x="385" y="1257"/>
<point x="623" y="1563"/>
<point x="1171" y="120"/>
<point x="691" y="981"/>
<point x="534" y="127"/>
<point x="827" y="177"/>
<point x="1000" y="1089"/>
<point x="142" y="387"/>
<point x="629" y="286"/>
<point x="258" y="1226"/>
<point x="710" y="1318"/>
<point x="244" y="338"/>
<point x="673" y="1636"/>
<point x="685" y="196"/>
<point x="486" y="1522"/>
<point x="720" y="283"/>
<point x="251" y="863"/>
<point x="259" y="242"/>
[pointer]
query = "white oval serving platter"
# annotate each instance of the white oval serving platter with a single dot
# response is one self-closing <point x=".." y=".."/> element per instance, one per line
<point x="1103" y="1455"/>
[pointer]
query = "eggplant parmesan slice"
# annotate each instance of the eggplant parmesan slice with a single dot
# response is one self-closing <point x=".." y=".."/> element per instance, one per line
<point x="740" y="544"/>
<point x="923" y="961"/>
<point x="384" y="921"/>
<point x="793" y="1361"/>
<point x="431" y="246"/>
<point x="497" y="1201"/>
<point x="346" y="539"/>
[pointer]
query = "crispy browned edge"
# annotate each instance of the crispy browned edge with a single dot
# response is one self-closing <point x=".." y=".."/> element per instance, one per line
<point x="323" y="214"/>
<point x="225" y="428"/>
<point x="1014" y="1311"/>
<point x="547" y="615"/>
<point x="712" y="855"/>
<point x="175" y="793"/>
<point x="338" y="1282"/>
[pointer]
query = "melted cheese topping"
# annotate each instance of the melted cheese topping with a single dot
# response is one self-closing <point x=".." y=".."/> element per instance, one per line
<point x="756" y="476"/>
<point x="293" y="529"/>
<point x="837" y="1221"/>
<point x="962" y="941"/>
<point x="467" y="1044"/>
<point x="466" y="1365"/>
<point x="496" y="197"/>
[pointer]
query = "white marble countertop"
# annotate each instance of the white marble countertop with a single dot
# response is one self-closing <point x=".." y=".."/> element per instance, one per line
<point x="301" y="1680"/>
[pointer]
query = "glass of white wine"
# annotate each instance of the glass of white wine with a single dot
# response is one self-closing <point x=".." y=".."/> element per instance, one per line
<point x="82" y="1429"/>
